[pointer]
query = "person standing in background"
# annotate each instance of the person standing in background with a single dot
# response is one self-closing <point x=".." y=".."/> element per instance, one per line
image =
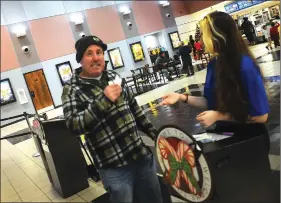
<point x="274" y="33"/>
<point x="110" y="118"/>
<point x="191" y="44"/>
<point x="267" y="37"/>
<point x="249" y="30"/>
<point x="198" y="49"/>
<point x="184" y="52"/>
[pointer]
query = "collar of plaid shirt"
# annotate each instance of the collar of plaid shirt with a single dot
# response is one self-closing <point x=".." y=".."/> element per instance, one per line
<point x="111" y="129"/>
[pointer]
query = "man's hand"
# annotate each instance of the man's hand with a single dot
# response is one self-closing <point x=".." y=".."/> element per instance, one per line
<point x="112" y="92"/>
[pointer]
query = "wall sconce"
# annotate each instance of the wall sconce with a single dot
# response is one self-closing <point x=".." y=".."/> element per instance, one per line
<point x="126" y="12"/>
<point x="164" y="3"/>
<point x="79" y="21"/>
<point x="77" y="18"/>
<point x="19" y="30"/>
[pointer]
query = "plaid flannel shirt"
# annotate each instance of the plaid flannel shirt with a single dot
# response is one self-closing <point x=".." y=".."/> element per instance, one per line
<point x="111" y="129"/>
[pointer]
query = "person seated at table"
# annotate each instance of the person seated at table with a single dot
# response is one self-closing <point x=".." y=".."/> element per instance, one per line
<point x="234" y="88"/>
<point x="162" y="62"/>
<point x="184" y="52"/>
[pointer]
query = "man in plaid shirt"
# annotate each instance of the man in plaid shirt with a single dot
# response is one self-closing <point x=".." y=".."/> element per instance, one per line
<point x="110" y="117"/>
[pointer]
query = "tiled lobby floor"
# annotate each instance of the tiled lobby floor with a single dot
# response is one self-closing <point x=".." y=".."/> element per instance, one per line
<point x="23" y="177"/>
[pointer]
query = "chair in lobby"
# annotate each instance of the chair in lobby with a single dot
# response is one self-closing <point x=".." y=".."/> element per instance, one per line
<point x="176" y="67"/>
<point x="146" y="74"/>
<point x="161" y="74"/>
<point x="205" y="57"/>
<point x="156" y="71"/>
<point x="131" y="85"/>
<point x="141" y="81"/>
<point x="202" y="61"/>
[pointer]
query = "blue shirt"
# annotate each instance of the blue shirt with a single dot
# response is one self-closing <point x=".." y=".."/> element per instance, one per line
<point x="252" y="82"/>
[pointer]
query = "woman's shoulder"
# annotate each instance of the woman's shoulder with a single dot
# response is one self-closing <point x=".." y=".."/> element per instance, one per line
<point x="247" y="62"/>
<point x="247" y="58"/>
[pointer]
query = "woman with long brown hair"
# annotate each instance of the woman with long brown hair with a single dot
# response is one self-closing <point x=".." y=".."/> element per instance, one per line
<point x="234" y="88"/>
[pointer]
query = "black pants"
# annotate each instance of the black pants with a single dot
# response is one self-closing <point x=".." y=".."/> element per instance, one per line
<point x="275" y="39"/>
<point x="188" y="68"/>
<point x="250" y="36"/>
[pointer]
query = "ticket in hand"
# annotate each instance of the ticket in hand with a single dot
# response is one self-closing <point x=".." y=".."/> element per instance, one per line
<point x="117" y="80"/>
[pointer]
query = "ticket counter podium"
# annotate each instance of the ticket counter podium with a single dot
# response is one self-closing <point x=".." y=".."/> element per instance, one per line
<point x="62" y="156"/>
<point x="227" y="164"/>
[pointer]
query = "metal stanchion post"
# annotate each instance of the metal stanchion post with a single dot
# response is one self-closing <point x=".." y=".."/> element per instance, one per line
<point x="36" y="154"/>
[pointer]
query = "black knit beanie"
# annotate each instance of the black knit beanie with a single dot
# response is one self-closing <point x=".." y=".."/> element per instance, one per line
<point x="82" y="44"/>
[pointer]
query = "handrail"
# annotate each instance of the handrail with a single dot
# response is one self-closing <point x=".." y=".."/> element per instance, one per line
<point x="25" y="115"/>
<point x="11" y="123"/>
<point x="4" y="119"/>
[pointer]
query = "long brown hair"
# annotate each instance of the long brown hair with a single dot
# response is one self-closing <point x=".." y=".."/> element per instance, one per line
<point x="222" y="38"/>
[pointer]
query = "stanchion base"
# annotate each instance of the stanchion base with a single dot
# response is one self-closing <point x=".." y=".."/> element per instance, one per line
<point x="36" y="154"/>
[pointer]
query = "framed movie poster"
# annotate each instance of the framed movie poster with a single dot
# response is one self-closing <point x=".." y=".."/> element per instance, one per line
<point x="65" y="72"/>
<point x="7" y="93"/>
<point x="115" y="58"/>
<point x="175" y="39"/>
<point x="137" y="51"/>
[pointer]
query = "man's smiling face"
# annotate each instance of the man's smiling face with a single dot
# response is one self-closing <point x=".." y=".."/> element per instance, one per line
<point x="93" y="62"/>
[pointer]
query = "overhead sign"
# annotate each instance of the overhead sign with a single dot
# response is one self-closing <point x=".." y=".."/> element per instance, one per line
<point x="257" y="2"/>
<point x="239" y="5"/>
<point x="230" y="8"/>
<point x="244" y="4"/>
<point x="183" y="165"/>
